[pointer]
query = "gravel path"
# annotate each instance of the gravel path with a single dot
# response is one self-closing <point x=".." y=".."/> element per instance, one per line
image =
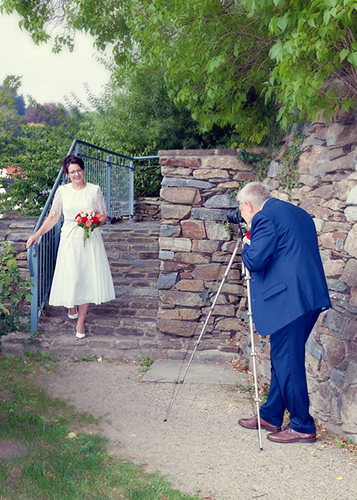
<point x="201" y="448"/>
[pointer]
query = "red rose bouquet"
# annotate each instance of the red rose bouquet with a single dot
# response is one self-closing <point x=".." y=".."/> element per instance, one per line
<point x="88" y="220"/>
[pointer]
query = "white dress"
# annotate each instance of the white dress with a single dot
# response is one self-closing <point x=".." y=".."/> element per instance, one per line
<point x="82" y="273"/>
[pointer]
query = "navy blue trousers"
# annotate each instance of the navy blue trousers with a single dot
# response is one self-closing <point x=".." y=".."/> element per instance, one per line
<point x="288" y="387"/>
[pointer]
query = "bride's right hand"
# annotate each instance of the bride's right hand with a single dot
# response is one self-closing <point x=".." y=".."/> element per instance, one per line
<point x="31" y="241"/>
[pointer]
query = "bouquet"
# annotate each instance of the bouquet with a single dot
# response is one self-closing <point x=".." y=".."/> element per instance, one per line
<point x="89" y="220"/>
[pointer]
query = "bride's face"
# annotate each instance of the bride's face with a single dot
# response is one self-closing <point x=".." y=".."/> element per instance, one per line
<point x="75" y="173"/>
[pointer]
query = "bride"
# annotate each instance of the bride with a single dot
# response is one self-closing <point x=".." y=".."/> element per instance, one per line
<point x="82" y="273"/>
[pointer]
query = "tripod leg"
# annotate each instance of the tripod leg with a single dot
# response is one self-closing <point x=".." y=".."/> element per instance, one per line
<point x="246" y="273"/>
<point x="203" y="329"/>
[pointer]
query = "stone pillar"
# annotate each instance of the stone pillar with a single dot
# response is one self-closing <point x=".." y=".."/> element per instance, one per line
<point x="196" y="244"/>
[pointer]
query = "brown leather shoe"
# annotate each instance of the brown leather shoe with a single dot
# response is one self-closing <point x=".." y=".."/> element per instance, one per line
<point x="288" y="435"/>
<point x="252" y="423"/>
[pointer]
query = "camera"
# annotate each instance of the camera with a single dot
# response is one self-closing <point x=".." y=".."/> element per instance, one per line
<point x="234" y="216"/>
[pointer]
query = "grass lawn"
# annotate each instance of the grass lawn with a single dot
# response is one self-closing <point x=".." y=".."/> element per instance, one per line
<point x="64" y="460"/>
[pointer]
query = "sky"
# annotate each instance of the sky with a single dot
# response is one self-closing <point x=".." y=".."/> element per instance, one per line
<point x="46" y="76"/>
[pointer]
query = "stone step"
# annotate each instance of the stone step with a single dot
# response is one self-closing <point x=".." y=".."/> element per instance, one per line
<point x="120" y="320"/>
<point x="129" y="347"/>
<point x="126" y="327"/>
<point x="132" y="250"/>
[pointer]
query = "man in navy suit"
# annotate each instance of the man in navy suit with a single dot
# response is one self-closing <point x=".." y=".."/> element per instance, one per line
<point x="288" y="292"/>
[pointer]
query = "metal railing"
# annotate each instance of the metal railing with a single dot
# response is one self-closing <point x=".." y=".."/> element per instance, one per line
<point x="114" y="173"/>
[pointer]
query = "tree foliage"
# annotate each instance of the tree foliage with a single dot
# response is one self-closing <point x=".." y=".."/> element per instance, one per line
<point x="35" y="155"/>
<point x="20" y="104"/>
<point x="8" y="114"/>
<point x="214" y="58"/>
<point x="314" y="54"/>
<point x="136" y="117"/>
<point x="50" y="113"/>
<point x="13" y="291"/>
<point x="223" y="60"/>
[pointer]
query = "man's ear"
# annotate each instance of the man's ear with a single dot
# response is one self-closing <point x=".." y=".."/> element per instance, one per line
<point x="250" y="207"/>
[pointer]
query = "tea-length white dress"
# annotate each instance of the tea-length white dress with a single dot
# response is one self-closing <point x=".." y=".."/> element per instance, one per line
<point x="82" y="273"/>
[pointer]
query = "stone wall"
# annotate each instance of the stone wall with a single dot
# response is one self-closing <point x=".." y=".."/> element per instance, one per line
<point x="15" y="233"/>
<point x="328" y="174"/>
<point x="147" y="209"/>
<point x="195" y="248"/>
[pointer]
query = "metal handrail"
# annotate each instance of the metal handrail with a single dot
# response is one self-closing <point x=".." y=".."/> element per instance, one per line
<point x="104" y="167"/>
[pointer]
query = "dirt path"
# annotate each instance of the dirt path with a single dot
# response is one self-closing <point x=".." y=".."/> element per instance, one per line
<point x="201" y="448"/>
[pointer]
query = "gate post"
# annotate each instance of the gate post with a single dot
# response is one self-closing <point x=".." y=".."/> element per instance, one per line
<point x="32" y="254"/>
<point x="131" y="191"/>
<point x="109" y="187"/>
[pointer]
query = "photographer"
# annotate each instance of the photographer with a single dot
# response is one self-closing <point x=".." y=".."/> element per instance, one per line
<point x="288" y="292"/>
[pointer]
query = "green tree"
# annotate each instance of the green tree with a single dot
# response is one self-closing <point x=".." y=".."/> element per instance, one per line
<point x="314" y="55"/>
<point x="9" y="117"/>
<point x="223" y="59"/>
<point x="14" y="291"/>
<point x="136" y="117"/>
<point x="20" y="104"/>
<point x="213" y="57"/>
<point x="36" y="154"/>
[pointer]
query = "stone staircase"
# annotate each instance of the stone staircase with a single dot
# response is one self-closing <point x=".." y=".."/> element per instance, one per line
<point x="124" y="328"/>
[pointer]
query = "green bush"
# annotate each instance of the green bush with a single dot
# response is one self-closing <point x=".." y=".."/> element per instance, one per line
<point x="14" y="290"/>
<point x="147" y="182"/>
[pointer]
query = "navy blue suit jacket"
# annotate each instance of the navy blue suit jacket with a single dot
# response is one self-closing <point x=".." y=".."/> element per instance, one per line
<point x="287" y="276"/>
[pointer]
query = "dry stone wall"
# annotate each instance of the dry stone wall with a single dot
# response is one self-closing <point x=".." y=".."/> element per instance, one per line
<point x="328" y="175"/>
<point x="146" y="209"/>
<point x="14" y="233"/>
<point x="195" y="248"/>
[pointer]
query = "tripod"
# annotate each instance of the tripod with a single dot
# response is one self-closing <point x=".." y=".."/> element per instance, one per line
<point x="246" y="274"/>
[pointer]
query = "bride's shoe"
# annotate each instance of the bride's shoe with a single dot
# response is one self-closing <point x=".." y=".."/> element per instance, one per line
<point x="73" y="316"/>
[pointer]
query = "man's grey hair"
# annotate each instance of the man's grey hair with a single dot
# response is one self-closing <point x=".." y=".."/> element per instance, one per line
<point x="255" y="193"/>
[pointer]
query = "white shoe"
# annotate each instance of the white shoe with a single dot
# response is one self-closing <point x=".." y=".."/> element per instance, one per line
<point x="73" y="316"/>
<point x="80" y="335"/>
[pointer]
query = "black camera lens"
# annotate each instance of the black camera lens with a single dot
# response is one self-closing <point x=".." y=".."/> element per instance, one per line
<point x="234" y="216"/>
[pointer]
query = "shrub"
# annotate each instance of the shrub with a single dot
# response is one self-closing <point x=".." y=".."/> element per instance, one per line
<point x="14" y="290"/>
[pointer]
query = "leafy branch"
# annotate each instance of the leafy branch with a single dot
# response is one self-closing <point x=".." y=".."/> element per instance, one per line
<point x="14" y="291"/>
<point x="289" y="171"/>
